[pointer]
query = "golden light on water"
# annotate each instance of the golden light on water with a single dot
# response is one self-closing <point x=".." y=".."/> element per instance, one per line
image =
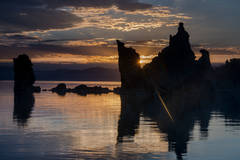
<point x="91" y="123"/>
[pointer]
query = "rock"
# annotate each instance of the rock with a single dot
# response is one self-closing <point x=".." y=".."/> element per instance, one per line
<point x="174" y="67"/>
<point x="61" y="89"/>
<point x="81" y="89"/>
<point x="180" y="53"/>
<point x="36" y="89"/>
<point x="204" y="63"/>
<point x="23" y="73"/>
<point x="117" y="90"/>
<point x="129" y="67"/>
<point x="227" y="75"/>
<point x="175" y="61"/>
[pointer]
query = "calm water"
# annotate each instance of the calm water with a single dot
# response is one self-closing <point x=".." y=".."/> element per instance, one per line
<point x="103" y="127"/>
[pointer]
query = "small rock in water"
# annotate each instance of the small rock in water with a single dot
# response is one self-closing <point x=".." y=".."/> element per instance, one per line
<point x="61" y="89"/>
<point x="81" y="89"/>
<point x="36" y="89"/>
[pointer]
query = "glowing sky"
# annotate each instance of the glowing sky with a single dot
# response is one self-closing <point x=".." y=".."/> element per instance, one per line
<point x="84" y="31"/>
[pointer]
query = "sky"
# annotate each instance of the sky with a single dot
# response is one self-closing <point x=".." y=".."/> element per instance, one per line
<point x="83" y="32"/>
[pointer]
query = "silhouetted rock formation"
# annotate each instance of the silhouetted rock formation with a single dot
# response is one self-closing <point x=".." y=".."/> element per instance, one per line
<point x="227" y="76"/>
<point x="24" y="77"/>
<point x="179" y="55"/>
<point x="82" y="89"/>
<point x="204" y="60"/>
<point x="129" y="67"/>
<point x="174" y="66"/>
<point x="61" y="89"/>
<point x="36" y="89"/>
<point x="190" y="90"/>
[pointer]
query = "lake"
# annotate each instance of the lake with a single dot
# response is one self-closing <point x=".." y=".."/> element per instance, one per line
<point x="74" y="127"/>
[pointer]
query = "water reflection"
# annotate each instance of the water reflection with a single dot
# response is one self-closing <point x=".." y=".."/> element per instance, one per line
<point x="23" y="106"/>
<point x="119" y="127"/>
<point x="188" y="110"/>
<point x="129" y="119"/>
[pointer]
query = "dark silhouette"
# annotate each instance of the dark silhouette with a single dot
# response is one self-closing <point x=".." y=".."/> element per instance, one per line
<point x="24" y="77"/>
<point x="61" y="89"/>
<point x="23" y="106"/>
<point x="179" y="91"/>
<point x="23" y="72"/>
<point x="129" y="118"/>
<point x="187" y="109"/>
<point x="178" y="132"/>
<point x="174" y="66"/>
<point x="227" y="76"/>
<point x="82" y="89"/>
<point x="129" y="67"/>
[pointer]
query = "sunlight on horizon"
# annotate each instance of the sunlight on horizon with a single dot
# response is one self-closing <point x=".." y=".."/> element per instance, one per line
<point x="81" y="59"/>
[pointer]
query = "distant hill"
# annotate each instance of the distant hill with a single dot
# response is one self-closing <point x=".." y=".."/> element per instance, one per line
<point x="90" y="74"/>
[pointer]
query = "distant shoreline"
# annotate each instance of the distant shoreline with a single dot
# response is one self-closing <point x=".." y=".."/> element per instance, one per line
<point x="11" y="80"/>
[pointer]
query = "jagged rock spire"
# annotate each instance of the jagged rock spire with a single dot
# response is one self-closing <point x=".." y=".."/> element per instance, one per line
<point x="180" y="48"/>
<point x="129" y="66"/>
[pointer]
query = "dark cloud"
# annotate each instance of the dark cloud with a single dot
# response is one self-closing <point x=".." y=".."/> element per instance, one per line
<point x="21" y="37"/>
<point x="121" y="4"/>
<point x="32" y="15"/>
<point x="132" y="5"/>
<point x="18" y="20"/>
<point x="39" y="50"/>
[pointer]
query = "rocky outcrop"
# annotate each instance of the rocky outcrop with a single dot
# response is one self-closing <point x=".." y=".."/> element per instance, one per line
<point x="24" y="77"/>
<point x="82" y="89"/>
<point x="129" y="67"/>
<point x="23" y="71"/>
<point x="173" y="66"/>
<point x="61" y="89"/>
<point x="227" y="75"/>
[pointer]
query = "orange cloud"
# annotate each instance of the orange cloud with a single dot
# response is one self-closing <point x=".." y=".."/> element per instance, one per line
<point x="116" y="19"/>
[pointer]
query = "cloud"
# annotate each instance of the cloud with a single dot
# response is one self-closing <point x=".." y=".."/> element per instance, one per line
<point x="115" y="19"/>
<point x="17" y="39"/>
<point x="33" y="15"/>
<point x="90" y="27"/>
<point x="31" y="19"/>
<point x="130" y="5"/>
